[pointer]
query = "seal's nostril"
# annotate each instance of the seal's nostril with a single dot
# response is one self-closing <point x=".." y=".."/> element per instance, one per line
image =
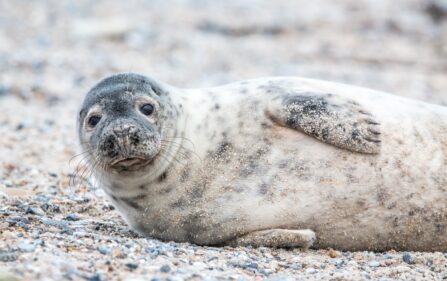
<point x="109" y="146"/>
<point x="134" y="139"/>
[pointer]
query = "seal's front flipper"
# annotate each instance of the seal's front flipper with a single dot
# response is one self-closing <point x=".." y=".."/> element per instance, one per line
<point x="277" y="238"/>
<point x="330" y="118"/>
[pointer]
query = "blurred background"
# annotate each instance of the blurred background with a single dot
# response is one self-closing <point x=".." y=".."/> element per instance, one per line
<point x="60" y="48"/>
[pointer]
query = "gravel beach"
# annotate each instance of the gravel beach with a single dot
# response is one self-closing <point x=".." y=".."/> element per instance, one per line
<point x="55" y="226"/>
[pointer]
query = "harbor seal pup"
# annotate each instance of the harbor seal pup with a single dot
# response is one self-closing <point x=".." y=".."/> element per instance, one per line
<point x="280" y="162"/>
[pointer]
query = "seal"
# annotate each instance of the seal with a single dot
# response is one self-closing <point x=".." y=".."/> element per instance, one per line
<point x="279" y="162"/>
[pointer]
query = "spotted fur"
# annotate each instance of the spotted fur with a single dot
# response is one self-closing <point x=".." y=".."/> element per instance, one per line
<point x="243" y="163"/>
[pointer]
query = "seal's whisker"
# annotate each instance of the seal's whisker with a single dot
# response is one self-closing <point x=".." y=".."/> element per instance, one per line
<point x="83" y="170"/>
<point x="180" y="146"/>
<point x="79" y="167"/>
<point x="77" y="155"/>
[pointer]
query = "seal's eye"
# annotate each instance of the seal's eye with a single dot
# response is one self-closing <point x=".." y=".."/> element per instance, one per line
<point x="147" y="109"/>
<point x="93" y="120"/>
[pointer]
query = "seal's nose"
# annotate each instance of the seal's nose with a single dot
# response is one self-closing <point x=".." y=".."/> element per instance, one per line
<point x="123" y="131"/>
<point x="126" y="132"/>
<point x="110" y="146"/>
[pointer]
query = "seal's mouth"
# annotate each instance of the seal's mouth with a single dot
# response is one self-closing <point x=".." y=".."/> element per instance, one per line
<point x="130" y="163"/>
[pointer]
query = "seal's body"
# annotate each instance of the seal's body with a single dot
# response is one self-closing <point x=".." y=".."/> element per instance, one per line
<point x="274" y="162"/>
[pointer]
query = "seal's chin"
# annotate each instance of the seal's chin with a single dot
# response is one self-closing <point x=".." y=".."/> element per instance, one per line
<point x="134" y="163"/>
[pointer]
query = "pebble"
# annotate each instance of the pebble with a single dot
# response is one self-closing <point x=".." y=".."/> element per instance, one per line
<point x="104" y="249"/>
<point x="35" y="211"/>
<point x="252" y="265"/>
<point x="408" y="258"/>
<point x="132" y="265"/>
<point x="8" y="256"/>
<point x="94" y="277"/>
<point x="374" y="263"/>
<point x="72" y="217"/>
<point x="52" y="222"/>
<point x="165" y="268"/>
<point x="311" y="270"/>
<point x="339" y="263"/>
<point x="332" y="253"/>
<point x="50" y="208"/>
<point x="27" y="247"/>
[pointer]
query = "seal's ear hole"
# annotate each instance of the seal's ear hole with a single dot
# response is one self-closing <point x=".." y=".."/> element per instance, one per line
<point x="93" y="120"/>
<point x="147" y="109"/>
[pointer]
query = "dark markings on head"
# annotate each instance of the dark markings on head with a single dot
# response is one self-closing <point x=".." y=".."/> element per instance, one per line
<point x="118" y="84"/>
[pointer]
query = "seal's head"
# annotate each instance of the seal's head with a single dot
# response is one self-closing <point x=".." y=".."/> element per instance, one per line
<point x="122" y="123"/>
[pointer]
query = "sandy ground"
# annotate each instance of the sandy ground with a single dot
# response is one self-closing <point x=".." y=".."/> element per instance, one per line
<point x="51" y="52"/>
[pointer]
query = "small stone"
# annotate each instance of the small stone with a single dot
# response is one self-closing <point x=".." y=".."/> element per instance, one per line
<point x="50" y="208"/>
<point x="165" y="268"/>
<point x="332" y="253"/>
<point x="132" y="265"/>
<point x="252" y="265"/>
<point x="67" y="230"/>
<point x="35" y="211"/>
<point x="72" y="217"/>
<point x="339" y="263"/>
<point x="311" y="270"/>
<point x="94" y="277"/>
<point x="103" y="249"/>
<point x="8" y="256"/>
<point x="374" y="264"/>
<point x="408" y="258"/>
<point x="266" y="271"/>
<point x="27" y="247"/>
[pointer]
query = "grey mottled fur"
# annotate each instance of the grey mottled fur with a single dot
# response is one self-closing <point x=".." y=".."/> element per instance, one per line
<point x="273" y="162"/>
